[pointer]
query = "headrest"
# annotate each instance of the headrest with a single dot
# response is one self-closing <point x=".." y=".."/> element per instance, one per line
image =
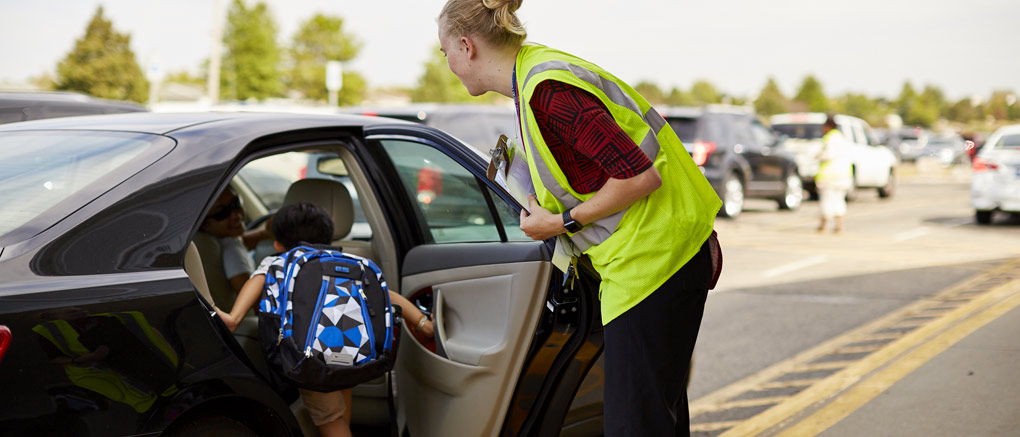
<point x="331" y="196"/>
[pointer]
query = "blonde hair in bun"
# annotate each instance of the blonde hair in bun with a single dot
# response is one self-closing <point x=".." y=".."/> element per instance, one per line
<point x="493" y="20"/>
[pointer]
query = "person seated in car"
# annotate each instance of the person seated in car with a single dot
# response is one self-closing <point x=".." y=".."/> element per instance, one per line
<point x="293" y="224"/>
<point x="225" y="222"/>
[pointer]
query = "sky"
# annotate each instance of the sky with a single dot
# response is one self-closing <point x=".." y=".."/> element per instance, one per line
<point x="865" y="46"/>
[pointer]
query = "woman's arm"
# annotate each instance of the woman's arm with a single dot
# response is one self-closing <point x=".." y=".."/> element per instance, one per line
<point x="615" y="196"/>
<point x="245" y="300"/>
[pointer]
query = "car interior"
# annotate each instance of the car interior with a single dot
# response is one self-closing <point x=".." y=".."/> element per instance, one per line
<point x="479" y="335"/>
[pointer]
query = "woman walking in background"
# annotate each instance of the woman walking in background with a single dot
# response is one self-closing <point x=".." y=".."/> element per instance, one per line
<point x="835" y="175"/>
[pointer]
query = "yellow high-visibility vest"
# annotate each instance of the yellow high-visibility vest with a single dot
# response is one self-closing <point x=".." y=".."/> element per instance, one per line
<point x="638" y="249"/>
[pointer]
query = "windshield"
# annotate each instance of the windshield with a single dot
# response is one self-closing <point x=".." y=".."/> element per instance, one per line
<point x="40" y="170"/>
<point x="805" y="131"/>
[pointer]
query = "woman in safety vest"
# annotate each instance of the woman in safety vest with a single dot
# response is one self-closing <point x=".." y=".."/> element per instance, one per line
<point x="613" y="176"/>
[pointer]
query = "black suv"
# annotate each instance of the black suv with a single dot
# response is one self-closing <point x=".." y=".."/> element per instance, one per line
<point x="24" y="106"/>
<point x="738" y="155"/>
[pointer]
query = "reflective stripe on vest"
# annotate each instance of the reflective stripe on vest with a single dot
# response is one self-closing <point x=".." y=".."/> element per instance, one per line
<point x="598" y="231"/>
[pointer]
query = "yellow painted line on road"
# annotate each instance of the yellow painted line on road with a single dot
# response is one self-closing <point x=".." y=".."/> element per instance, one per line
<point x="849" y="376"/>
<point x="867" y="390"/>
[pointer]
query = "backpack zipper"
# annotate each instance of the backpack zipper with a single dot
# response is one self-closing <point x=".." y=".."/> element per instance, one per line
<point x="323" y="290"/>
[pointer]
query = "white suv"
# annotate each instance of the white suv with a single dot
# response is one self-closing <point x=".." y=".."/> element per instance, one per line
<point x="874" y="165"/>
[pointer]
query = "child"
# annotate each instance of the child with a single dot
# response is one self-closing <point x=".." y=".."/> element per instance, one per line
<point x="306" y="222"/>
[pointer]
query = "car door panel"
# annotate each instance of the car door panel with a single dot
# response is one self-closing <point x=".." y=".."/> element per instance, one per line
<point x="485" y="316"/>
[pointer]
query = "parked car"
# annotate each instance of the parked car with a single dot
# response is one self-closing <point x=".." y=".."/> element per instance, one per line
<point x="23" y="106"/>
<point x="947" y="149"/>
<point x="874" y="165"/>
<point x="909" y="142"/>
<point x="477" y="125"/>
<point x="995" y="183"/>
<point x="740" y="157"/>
<point x="105" y="320"/>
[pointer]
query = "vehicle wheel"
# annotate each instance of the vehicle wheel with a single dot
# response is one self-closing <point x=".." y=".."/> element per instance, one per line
<point x="793" y="195"/>
<point x="733" y="196"/>
<point x="890" y="186"/>
<point x="212" y="425"/>
<point x="983" y="217"/>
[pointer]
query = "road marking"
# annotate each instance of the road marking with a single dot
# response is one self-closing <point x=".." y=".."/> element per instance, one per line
<point x="868" y="389"/>
<point x="849" y="376"/>
<point x="913" y="233"/>
<point x="794" y="266"/>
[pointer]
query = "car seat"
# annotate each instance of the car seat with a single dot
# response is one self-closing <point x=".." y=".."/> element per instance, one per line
<point x="332" y="196"/>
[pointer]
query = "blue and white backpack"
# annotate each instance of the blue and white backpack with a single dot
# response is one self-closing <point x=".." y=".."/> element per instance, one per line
<point x="325" y="319"/>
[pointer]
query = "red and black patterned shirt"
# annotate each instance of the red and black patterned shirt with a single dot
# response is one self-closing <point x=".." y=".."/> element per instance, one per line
<point x="583" y="137"/>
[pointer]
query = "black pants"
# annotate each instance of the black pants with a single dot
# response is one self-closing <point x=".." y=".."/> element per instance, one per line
<point x="648" y="354"/>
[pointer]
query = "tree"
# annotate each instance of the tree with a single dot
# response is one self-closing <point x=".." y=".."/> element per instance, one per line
<point x="317" y="41"/>
<point x="651" y="92"/>
<point x="861" y="106"/>
<point x="812" y="96"/>
<point x="770" y="101"/>
<point x="704" y="92"/>
<point x="905" y="99"/>
<point x="678" y="97"/>
<point x="102" y="64"/>
<point x="962" y="111"/>
<point x="251" y="63"/>
<point x="439" y="84"/>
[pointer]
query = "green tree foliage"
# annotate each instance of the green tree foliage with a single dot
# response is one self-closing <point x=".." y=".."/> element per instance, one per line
<point x="102" y="64"/>
<point x="1003" y="105"/>
<point x="679" y="97"/>
<point x="963" y="111"/>
<point x="861" y="106"/>
<point x="922" y="109"/>
<point x="770" y="100"/>
<point x="439" y="84"/>
<point x="651" y="92"/>
<point x="321" y="39"/>
<point x="704" y="92"/>
<point x="905" y="99"/>
<point x="251" y="62"/>
<point x="812" y="96"/>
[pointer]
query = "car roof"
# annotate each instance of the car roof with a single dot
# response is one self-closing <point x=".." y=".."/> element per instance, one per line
<point x="422" y="111"/>
<point x="15" y="99"/>
<point x="165" y="123"/>
<point x="697" y="111"/>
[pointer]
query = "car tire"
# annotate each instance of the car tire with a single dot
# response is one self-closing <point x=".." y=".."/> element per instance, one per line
<point x="793" y="193"/>
<point x="889" y="188"/>
<point x="732" y="196"/>
<point x="983" y="217"/>
<point x="209" y="424"/>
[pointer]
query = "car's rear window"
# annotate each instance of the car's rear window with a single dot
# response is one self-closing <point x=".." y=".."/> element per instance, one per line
<point x="40" y="171"/>
<point x="685" y="127"/>
<point x="1008" y="142"/>
<point x="804" y="131"/>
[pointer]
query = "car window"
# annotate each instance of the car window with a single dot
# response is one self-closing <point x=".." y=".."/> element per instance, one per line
<point x="804" y="131"/>
<point x="762" y="136"/>
<point x="10" y="115"/>
<point x="859" y="136"/>
<point x="39" y="170"/>
<point x="450" y="198"/>
<point x="686" y="128"/>
<point x="741" y="130"/>
<point x="480" y="130"/>
<point x="270" y="177"/>
<point x="1008" y="142"/>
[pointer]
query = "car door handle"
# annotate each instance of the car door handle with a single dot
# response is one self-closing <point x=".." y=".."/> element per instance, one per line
<point x="437" y="322"/>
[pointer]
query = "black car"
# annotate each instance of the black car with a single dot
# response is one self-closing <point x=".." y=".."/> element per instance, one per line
<point x="106" y="304"/>
<point x="24" y="106"/>
<point x="739" y="156"/>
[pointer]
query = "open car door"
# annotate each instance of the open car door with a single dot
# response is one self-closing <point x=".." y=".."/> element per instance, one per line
<point x="511" y="344"/>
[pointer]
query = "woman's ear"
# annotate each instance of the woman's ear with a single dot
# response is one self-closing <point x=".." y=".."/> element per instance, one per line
<point x="469" y="47"/>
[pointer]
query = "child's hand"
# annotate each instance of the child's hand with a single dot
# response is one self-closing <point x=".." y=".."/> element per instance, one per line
<point x="227" y="320"/>
<point x="424" y="326"/>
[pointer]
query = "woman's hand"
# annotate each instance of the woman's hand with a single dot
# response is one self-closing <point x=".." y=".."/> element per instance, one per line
<point x="540" y="224"/>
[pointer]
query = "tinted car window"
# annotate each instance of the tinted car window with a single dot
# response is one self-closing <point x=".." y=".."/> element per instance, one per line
<point x="449" y="197"/>
<point x="761" y="134"/>
<point x="41" y="170"/>
<point x="804" y="131"/>
<point x="1008" y="142"/>
<point x="10" y="115"/>
<point x="685" y="128"/>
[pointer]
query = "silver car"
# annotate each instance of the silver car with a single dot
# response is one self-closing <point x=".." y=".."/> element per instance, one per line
<point x="995" y="185"/>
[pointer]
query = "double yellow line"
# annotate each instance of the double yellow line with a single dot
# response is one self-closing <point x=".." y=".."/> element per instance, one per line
<point x="909" y="352"/>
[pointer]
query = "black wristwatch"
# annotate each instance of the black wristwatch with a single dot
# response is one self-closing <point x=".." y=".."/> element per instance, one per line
<point x="568" y="222"/>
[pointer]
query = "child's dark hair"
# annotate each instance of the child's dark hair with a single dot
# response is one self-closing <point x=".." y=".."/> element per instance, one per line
<point x="302" y="222"/>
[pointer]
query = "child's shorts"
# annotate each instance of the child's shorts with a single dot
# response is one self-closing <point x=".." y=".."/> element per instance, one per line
<point x="323" y="407"/>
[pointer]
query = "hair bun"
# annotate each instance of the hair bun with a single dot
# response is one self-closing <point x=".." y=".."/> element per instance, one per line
<point x="509" y="5"/>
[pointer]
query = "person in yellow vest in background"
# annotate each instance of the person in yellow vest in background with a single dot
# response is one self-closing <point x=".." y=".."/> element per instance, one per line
<point x="117" y="355"/>
<point x="835" y="175"/>
<point x="613" y="176"/>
